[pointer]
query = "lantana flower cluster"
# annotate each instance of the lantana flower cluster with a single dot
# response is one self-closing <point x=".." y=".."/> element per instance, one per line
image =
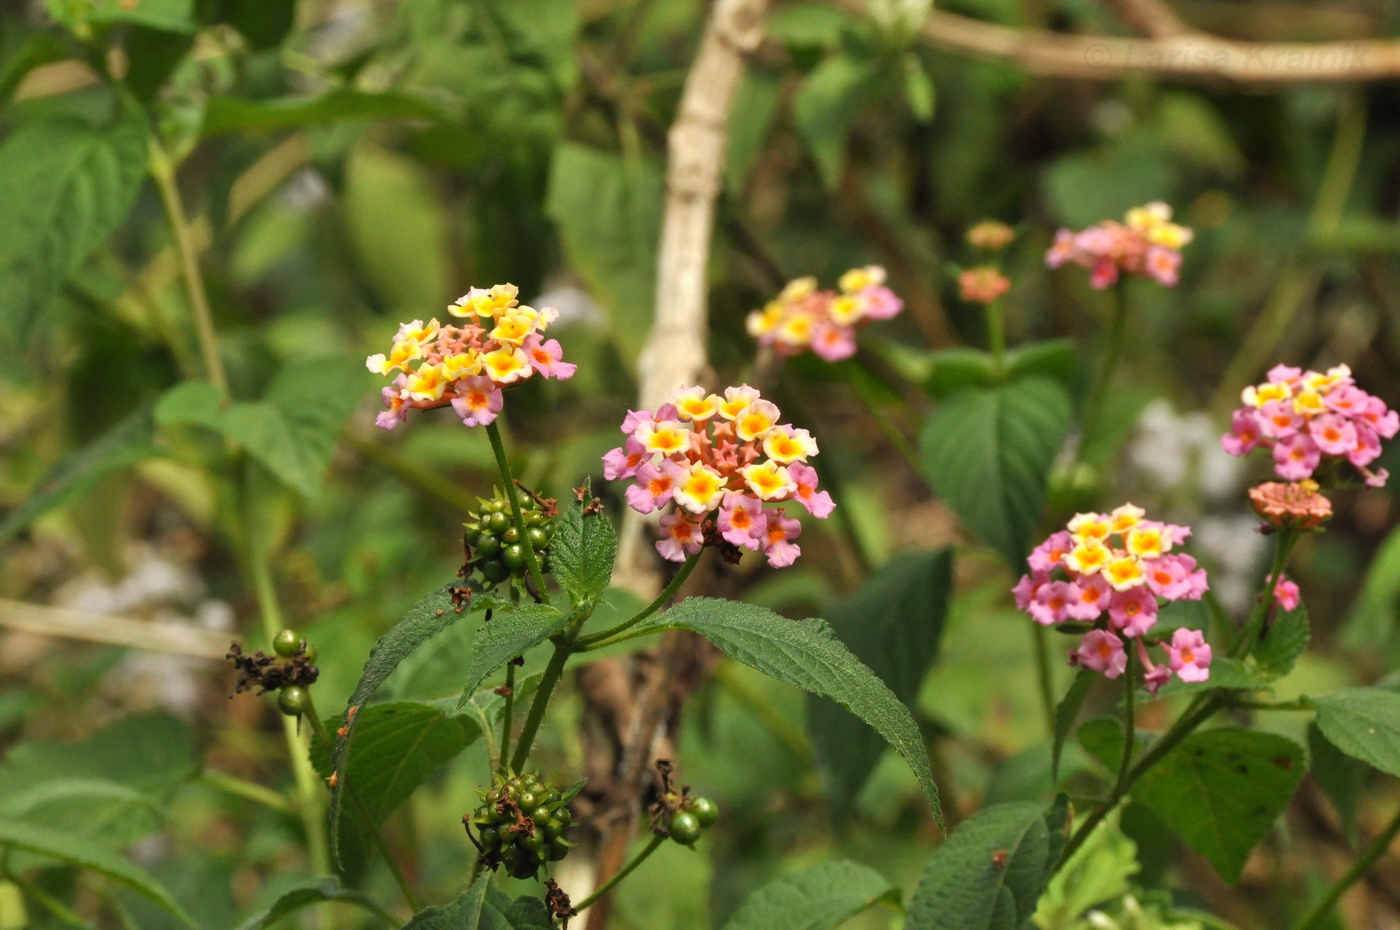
<point x="501" y="343"/>
<point x="1147" y="244"/>
<point x="719" y="460"/>
<point x="803" y="317"/>
<point x="1310" y="420"/>
<point x="1114" y="571"/>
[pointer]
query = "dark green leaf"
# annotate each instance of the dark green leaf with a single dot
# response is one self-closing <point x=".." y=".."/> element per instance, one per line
<point x="893" y="625"/>
<point x="154" y="55"/>
<point x="990" y="872"/>
<point x="582" y="552"/>
<point x="827" y="105"/>
<point x="820" y="898"/>
<point x="988" y="452"/>
<point x="122" y="446"/>
<point x="1341" y="777"/>
<point x="397" y="746"/>
<point x="1280" y="646"/>
<point x="807" y="654"/>
<point x="262" y="23"/>
<point x="340" y="385"/>
<point x="231" y="114"/>
<point x="959" y="368"/>
<point x="481" y="907"/>
<point x="40" y="48"/>
<point x="309" y="892"/>
<point x="509" y="634"/>
<point x="1364" y="723"/>
<point x="170" y="15"/>
<point x="1373" y="614"/>
<point x="1055" y="358"/>
<point x="75" y="850"/>
<point x="1067" y="713"/>
<point x="918" y="88"/>
<point x="430" y="616"/>
<point x="608" y="210"/>
<point x="1222" y="790"/>
<point x="66" y="185"/>
<point x="191" y="402"/>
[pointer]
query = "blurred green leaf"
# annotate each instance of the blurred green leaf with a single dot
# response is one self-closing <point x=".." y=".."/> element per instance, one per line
<point x="827" y="105"/>
<point x="893" y="624"/>
<point x="952" y="370"/>
<point x="169" y="15"/>
<point x="262" y="23"/>
<point x="509" y="633"/>
<point x="1193" y="131"/>
<point x="820" y="898"/>
<point x="153" y="55"/>
<point x="1372" y="617"/>
<point x="1222" y="790"/>
<point x="1341" y="777"/>
<point x="430" y="616"/>
<point x="1280" y="646"/>
<point x="1098" y="872"/>
<point x="1086" y="187"/>
<point x="66" y="185"/>
<point x="988" y="452"/>
<point x="309" y="892"/>
<point x="75" y="850"/>
<point x="1364" y="723"/>
<point x="223" y="115"/>
<point x="122" y="446"/>
<point x="608" y="211"/>
<point x="1053" y="358"/>
<point x="1067" y="713"/>
<point x="806" y="654"/>
<point x="755" y="105"/>
<point x="582" y="551"/>
<point x="990" y="871"/>
<point x="40" y="48"/>
<point x="918" y="88"/>
<point x="397" y="746"/>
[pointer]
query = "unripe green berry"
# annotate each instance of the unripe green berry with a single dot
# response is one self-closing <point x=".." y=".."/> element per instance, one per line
<point x="511" y="535"/>
<point x="684" y="828"/>
<point x="495" y="571"/>
<point x="513" y="556"/>
<point x="309" y="653"/>
<point x="705" y="811"/>
<point x="498" y="522"/>
<point x="537" y="538"/>
<point x="293" y="700"/>
<point x="286" y="643"/>
<point x="487" y="546"/>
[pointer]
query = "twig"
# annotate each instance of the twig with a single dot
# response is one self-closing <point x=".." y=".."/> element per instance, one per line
<point x="153" y="636"/>
<point x="1152" y="18"/>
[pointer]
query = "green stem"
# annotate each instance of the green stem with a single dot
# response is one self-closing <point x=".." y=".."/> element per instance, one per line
<point x="506" y="715"/>
<point x="626" y="870"/>
<point x="1254" y="626"/>
<point x="513" y="493"/>
<point x="661" y="599"/>
<point x="164" y="174"/>
<point x="55" y="907"/>
<point x="552" y="673"/>
<point x="892" y="433"/>
<point x="1093" y="407"/>
<point x="1129" y="726"/>
<point x="1368" y="858"/>
<point x="1040" y="646"/>
<point x="244" y="789"/>
<point x="366" y="821"/>
<point x="996" y="337"/>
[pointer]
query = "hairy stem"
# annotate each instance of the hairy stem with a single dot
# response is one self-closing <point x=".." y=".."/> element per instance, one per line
<point x="1040" y="646"/>
<point x="506" y="716"/>
<point x="164" y="174"/>
<point x="996" y="337"/>
<point x="532" y="561"/>
<point x="1254" y="626"/>
<point x="1093" y="406"/>
<point x="622" y="873"/>
<point x="244" y="789"/>
<point x="552" y="673"/>
<point x="660" y="601"/>
<point x="1372" y="854"/>
<point x="1129" y="725"/>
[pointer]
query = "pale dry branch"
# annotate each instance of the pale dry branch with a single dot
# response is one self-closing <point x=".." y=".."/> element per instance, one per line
<point x="153" y="636"/>
<point x="1190" y="57"/>
<point x="1153" y="18"/>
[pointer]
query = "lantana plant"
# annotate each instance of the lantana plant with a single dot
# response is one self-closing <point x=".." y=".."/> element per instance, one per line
<point x="802" y="317"/>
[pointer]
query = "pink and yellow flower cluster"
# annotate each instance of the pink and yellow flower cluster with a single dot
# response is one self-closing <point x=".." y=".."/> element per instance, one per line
<point x="1310" y="420"/>
<point x="1110" y="570"/>
<point x="466" y="365"/>
<point x="1147" y="244"/>
<point x="803" y="317"/>
<point x="719" y="460"/>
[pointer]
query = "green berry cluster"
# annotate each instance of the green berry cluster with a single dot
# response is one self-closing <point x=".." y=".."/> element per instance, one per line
<point x="689" y="817"/>
<point x="521" y="825"/>
<point x="495" y="548"/>
<point x="293" y="700"/>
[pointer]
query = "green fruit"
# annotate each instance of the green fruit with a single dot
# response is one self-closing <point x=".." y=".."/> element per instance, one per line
<point x="309" y="653"/>
<point x="533" y="844"/>
<point x="684" y="828"/>
<point x="537" y="538"/>
<point x="494" y="571"/>
<point x="487" y="546"/>
<point x="497" y="522"/>
<point x="286" y="643"/>
<point x="513" y="556"/>
<point x="522" y="850"/>
<point x="293" y="701"/>
<point x="528" y="801"/>
<point x="511" y="535"/>
<point x="705" y="811"/>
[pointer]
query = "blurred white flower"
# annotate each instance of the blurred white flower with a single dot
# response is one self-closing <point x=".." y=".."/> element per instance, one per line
<point x="1174" y="450"/>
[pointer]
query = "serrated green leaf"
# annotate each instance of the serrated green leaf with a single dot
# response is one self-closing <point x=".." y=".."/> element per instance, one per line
<point x="989" y="873"/>
<point x="481" y="907"/>
<point x="1055" y="358"/>
<point x="1067" y="713"/>
<point x="988" y="453"/>
<point x="1364" y="723"/>
<point x="820" y="898"/>
<point x="893" y="625"/>
<point x="1280" y="646"/>
<point x="608" y="211"/>
<point x="1341" y="777"/>
<point x="1222" y="790"/>
<point x="224" y="115"/>
<point x="169" y="15"/>
<point x="66" y="185"/>
<point x="313" y="891"/>
<point x="509" y="634"/>
<point x="75" y="850"/>
<point x="122" y="446"/>
<point x="426" y="619"/>
<point x="954" y="369"/>
<point x="807" y="654"/>
<point x="582" y="552"/>
<point x="397" y="746"/>
<point x="827" y="105"/>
